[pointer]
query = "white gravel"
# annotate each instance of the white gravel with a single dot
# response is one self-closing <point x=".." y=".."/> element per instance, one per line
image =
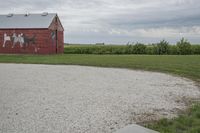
<point x="77" y="99"/>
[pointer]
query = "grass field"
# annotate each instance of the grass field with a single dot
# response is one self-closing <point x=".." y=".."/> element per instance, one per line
<point x="187" y="66"/>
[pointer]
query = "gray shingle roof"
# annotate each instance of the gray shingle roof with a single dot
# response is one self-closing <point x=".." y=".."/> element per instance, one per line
<point x="22" y="21"/>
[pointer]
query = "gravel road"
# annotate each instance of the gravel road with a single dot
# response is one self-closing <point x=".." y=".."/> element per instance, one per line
<point x="79" y="99"/>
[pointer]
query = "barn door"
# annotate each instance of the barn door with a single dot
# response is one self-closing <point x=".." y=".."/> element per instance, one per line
<point x="56" y="41"/>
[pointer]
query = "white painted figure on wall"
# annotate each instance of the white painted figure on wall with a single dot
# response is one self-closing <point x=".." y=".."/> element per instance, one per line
<point x="17" y="39"/>
<point x="6" y="38"/>
<point x="28" y="41"/>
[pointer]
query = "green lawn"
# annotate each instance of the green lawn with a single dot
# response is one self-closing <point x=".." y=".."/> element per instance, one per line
<point x="189" y="122"/>
<point x="187" y="66"/>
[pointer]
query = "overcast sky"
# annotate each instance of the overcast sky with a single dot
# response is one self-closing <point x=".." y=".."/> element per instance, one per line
<point x="118" y="21"/>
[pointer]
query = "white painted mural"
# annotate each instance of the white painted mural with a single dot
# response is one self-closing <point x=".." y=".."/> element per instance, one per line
<point x="20" y="39"/>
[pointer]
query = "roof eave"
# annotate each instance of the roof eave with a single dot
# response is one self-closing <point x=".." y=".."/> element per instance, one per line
<point x="23" y="28"/>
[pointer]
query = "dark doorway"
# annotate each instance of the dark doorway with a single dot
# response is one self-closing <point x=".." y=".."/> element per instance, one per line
<point x="56" y="41"/>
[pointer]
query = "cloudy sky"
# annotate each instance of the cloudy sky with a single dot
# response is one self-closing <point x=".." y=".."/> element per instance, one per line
<point x="118" y="21"/>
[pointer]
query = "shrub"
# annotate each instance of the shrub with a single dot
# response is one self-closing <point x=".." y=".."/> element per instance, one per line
<point x="149" y="49"/>
<point x="184" y="47"/>
<point x="139" y="48"/>
<point x="173" y="50"/>
<point x="155" y="49"/>
<point x="195" y="49"/>
<point x="129" y="49"/>
<point x="163" y="47"/>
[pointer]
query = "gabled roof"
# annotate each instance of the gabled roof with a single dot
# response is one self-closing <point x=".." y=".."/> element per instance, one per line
<point x="26" y="21"/>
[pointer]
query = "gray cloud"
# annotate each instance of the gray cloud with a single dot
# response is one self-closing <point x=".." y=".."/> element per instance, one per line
<point x="116" y="21"/>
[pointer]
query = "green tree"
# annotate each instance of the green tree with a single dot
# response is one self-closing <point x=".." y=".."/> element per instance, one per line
<point x="163" y="47"/>
<point x="139" y="48"/>
<point x="184" y="47"/>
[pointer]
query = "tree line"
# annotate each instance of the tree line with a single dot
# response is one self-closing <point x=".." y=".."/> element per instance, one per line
<point x="182" y="47"/>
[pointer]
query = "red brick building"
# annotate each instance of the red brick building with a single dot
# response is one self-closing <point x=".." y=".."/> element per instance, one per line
<point x="31" y="34"/>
